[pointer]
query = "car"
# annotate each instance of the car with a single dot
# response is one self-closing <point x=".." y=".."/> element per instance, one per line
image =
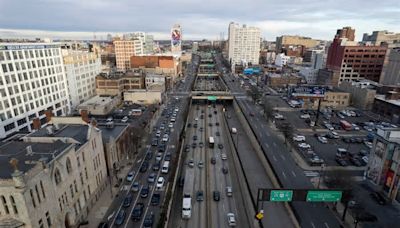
<point x="165" y="138"/>
<point x="156" y="166"/>
<point x="159" y="156"/>
<point x="216" y="123"/>
<point x="191" y="163"/>
<point x="217" y="133"/>
<point x="223" y="156"/>
<point x="231" y="219"/>
<point x="363" y="152"/>
<point x="201" y="129"/>
<point x="356" y="161"/>
<point x="130" y="176"/>
<point x="213" y="160"/>
<point x="120" y="217"/>
<point x="187" y="148"/>
<point x="170" y="125"/>
<point x="194" y="137"/>
<point x="194" y="145"/>
<point x="127" y="200"/>
<point x="155" y="199"/>
<point x="109" y="119"/>
<point x="189" y="125"/>
<point x="304" y="145"/>
<point x="167" y="156"/>
<point x="251" y="113"/>
<point x="305" y="116"/>
<point x="145" y="191"/>
<point x="316" y="160"/>
<point x="200" y="164"/>
<point x="378" y="197"/>
<point x="125" y="119"/>
<point x="149" y="155"/>
<point x="278" y="116"/>
<point x="229" y="191"/>
<point x="341" y="161"/>
<point x="335" y="134"/>
<point x="220" y="146"/>
<point x="216" y="195"/>
<point x="144" y="167"/>
<point x="210" y="124"/>
<point x="201" y="144"/>
<point x="160" y="182"/>
<point x="322" y="139"/>
<point x="154" y="142"/>
<point x="135" y="186"/>
<point x="215" y="111"/>
<point x="200" y="195"/>
<point x="148" y="220"/>
<point x="368" y="144"/>
<point x="355" y="127"/>
<point x="299" y="138"/>
<point x="151" y="178"/>
<point x="224" y="170"/>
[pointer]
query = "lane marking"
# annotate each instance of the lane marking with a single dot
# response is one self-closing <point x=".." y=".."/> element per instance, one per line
<point x="294" y="174"/>
<point x="284" y="175"/>
<point x="274" y="158"/>
<point x="326" y="224"/>
<point x="283" y="157"/>
<point x="274" y="144"/>
<point x="312" y="224"/>
<point x="266" y="145"/>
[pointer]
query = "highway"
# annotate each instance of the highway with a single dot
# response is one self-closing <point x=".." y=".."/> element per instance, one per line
<point x="289" y="174"/>
<point x="177" y="99"/>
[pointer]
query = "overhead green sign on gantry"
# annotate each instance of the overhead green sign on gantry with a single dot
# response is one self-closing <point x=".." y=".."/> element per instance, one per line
<point x="211" y="98"/>
<point x="281" y="195"/>
<point x="324" y="196"/>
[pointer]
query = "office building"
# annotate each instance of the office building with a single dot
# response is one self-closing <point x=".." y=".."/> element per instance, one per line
<point x="124" y="49"/>
<point x="391" y="68"/>
<point x="384" y="162"/>
<point x="52" y="182"/>
<point x="116" y="83"/>
<point x="388" y="106"/>
<point x="353" y="61"/>
<point x="143" y="42"/>
<point x="362" y="96"/>
<point x="32" y="80"/>
<point x="81" y="68"/>
<point x="284" y="41"/>
<point x="244" y="44"/>
<point x="382" y="37"/>
<point x="281" y="60"/>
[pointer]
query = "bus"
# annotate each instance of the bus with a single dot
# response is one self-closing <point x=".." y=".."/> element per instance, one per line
<point x="346" y="125"/>
<point x="211" y="142"/>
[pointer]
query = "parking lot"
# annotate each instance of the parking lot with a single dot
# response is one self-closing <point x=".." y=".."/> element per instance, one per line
<point x="330" y="133"/>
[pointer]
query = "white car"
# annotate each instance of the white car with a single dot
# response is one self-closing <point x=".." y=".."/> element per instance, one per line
<point x="304" y="145"/>
<point x="125" y="119"/>
<point x="159" y="156"/>
<point x="160" y="183"/>
<point x="355" y="127"/>
<point x="223" y="156"/>
<point x="335" y="134"/>
<point x="231" y="219"/>
<point x="278" y="116"/>
<point x="322" y="139"/>
<point x="299" y="138"/>
<point x="165" y="138"/>
<point x="305" y="116"/>
<point x="170" y="125"/>
<point x="130" y="176"/>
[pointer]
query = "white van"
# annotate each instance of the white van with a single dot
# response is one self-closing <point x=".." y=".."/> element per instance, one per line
<point x="165" y="167"/>
<point x="234" y="131"/>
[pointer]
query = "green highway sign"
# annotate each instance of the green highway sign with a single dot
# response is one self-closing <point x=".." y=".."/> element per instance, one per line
<point x="281" y="195"/>
<point x="212" y="98"/>
<point x="324" y="196"/>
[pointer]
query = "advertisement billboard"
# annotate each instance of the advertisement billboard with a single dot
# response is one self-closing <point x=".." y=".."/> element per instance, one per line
<point x="176" y="36"/>
<point x="308" y="91"/>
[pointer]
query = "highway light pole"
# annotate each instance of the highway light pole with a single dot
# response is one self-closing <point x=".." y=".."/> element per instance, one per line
<point x="321" y="174"/>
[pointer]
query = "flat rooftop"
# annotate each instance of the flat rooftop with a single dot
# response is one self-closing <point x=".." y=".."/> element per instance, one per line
<point x="98" y="101"/>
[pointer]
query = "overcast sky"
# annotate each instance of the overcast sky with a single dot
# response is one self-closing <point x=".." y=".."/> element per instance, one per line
<point x="199" y="19"/>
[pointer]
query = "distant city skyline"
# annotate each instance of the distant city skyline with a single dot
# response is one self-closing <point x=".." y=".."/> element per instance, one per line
<point x="75" y="19"/>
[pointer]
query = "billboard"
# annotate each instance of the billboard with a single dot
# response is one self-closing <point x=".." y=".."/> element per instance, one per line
<point x="176" y="36"/>
<point x="308" y="91"/>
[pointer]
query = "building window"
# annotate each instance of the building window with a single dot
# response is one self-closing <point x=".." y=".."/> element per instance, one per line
<point x="41" y="223"/>
<point x="71" y="188"/>
<point x="48" y="219"/>
<point x="57" y="176"/>
<point x="41" y="186"/>
<point x="14" y="205"/>
<point x="4" y="201"/>
<point x="37" y="193"/>
<point x="32" y="197"/>
<point x="76" y="186"/>
<point x="69" y="167"/>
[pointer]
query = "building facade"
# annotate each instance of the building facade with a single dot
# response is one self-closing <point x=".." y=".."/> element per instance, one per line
<point x="380" y="37"/>
<point x="124" y="49"/>
<point x="388" y="106"/>
<point x="286" y="40"/>
<point x="244" y="44"/>
<point x="355" y="62"/>
<point x="362" y="97"/>
<point x="176" y="39"/>
<point x="115" y="83"/>
<point x="52" y="182"/>
<point x="32" y="80"/>
<point x="81" y="68"/>
<point x="346" y="32"/>
<point x="391" y="68"/>
<point x="281" y="60"/>
<point x="384" y="162"/>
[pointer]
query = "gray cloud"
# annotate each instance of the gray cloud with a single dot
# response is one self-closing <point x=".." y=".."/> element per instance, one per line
<point x="199" y="19"/>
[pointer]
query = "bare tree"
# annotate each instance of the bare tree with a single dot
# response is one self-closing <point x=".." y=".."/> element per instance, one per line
<point x="286" y="129"/>
<point x="268" y="109"/>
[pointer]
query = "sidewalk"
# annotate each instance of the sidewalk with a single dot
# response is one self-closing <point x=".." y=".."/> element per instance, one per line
<point x="99" y="210"/>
